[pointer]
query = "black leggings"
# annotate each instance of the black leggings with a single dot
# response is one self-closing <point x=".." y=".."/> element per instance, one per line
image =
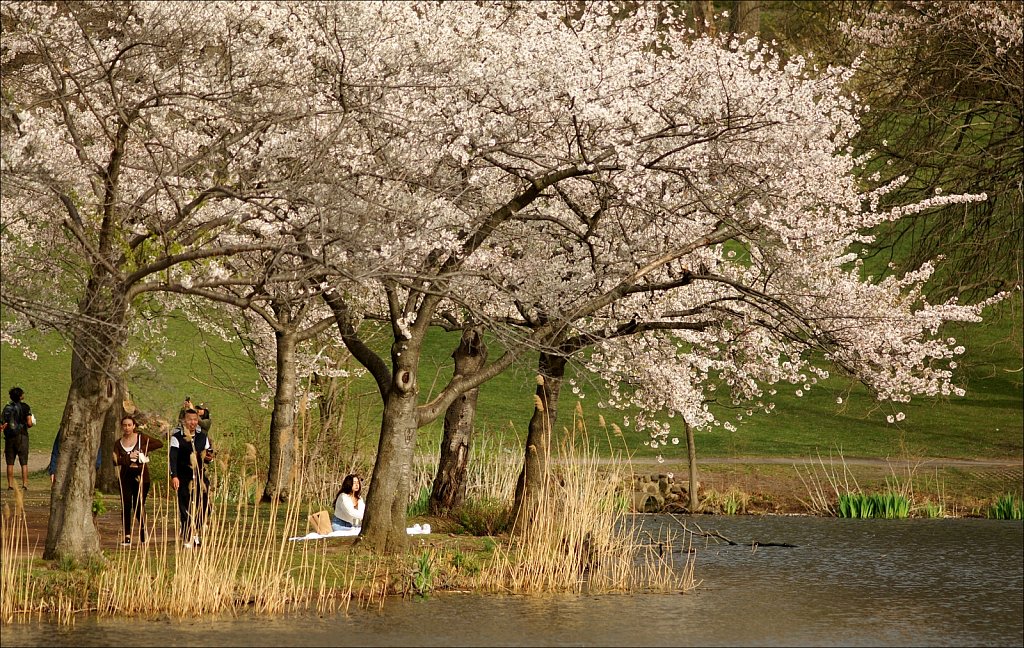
<point x="133" y="506"/>
<point x="190" y="527"/>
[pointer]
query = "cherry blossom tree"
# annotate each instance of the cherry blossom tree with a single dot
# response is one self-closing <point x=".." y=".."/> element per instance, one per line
<point x="945" y="83"/>
<point x="138" y="143"/>
<point x="711" y="191"/>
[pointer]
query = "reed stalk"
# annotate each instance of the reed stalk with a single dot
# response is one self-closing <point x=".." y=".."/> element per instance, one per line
<point x="579" y="538"/>
<point x="17" y="588"/>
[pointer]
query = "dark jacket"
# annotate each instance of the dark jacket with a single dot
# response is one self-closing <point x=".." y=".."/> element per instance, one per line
<point x="55" y="455"/>
<point x="182" y="450"/>
<point x="132" y="471"/>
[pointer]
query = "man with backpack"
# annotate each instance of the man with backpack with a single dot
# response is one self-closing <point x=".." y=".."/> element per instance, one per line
<point x="15" y="421"/>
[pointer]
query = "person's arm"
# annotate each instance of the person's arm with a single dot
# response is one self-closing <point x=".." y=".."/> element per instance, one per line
<point x="54" y="455"/>
<point x="151" y="444"/>
<point x="27" y="413"/>
<point x="352" y="510"/>
<point x="172" y="462"/>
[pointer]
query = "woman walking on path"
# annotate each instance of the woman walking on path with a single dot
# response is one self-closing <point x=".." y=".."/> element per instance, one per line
<point x="131" y="453"/>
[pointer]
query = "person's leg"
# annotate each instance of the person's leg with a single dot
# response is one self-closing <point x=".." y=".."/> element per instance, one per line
<point x="184" y="501"/>
<point x="129" y="495"/>
<point x="23" y="458"/>
<point x="9" y="454"/>
<point x="143" y="496"/>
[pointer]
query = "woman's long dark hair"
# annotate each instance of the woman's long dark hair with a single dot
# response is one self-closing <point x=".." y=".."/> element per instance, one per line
<point x="346" y="487"/>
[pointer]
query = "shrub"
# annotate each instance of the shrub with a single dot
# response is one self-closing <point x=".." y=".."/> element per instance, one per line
<point x="483" y="517"/>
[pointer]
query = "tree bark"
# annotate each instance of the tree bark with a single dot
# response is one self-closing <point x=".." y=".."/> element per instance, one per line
<point x="691" y="454"/>
<point x="95" y="352"/>
<point x="745" y="17"/>
<point x="387" y="499"/>
<point x="449" y="488"/>
<point x="529" y="487"/>
<point x="282" y="422"/>
<point x="702" y="14"/>
<point x="106" y="476"/>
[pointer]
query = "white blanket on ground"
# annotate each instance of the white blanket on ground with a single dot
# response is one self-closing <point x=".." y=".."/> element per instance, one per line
<point x="415" y="529"/>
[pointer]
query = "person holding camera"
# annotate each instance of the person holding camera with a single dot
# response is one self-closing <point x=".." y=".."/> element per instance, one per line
<point x="201" y="408"/>
<point x="190" y="451"/>
<point x="131" y="453"/>
<point x="15" y="421"/>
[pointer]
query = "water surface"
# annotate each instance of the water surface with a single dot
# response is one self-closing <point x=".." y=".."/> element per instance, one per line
<point x="846" y="583"/>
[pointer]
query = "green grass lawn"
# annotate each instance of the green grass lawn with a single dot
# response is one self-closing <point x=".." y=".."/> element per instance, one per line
<point x="987" y="422"/>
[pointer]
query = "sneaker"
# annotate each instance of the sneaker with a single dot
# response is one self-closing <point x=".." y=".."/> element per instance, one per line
<point x="127" y="541"/>
<point x="186" y="545"/>
<point x="196" y="540"/>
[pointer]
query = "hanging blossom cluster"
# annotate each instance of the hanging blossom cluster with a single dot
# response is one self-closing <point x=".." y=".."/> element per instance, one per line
<point x="999" y="23"/>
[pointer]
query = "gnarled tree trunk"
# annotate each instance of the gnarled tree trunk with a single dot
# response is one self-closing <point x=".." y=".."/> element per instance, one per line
<point x="96" y="351"/>
<point x="449" y="486"/>
<point x="387" y="499"/>
<point x="529" y="487"/>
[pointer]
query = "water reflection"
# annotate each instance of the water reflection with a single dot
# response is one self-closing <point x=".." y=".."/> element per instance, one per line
<point x="847" y="582"/>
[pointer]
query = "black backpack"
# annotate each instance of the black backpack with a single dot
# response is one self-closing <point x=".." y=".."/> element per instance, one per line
<point x="14" y="417"/>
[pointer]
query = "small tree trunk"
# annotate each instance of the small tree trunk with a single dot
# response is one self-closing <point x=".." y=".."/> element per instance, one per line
<point x="282" y="422"/>
<point x="551" y="368"/>
<point x="106" y="477"/>
<point x="691" y="453"/>
<point x="449" y="486"/>
<point x="702" y="14"/>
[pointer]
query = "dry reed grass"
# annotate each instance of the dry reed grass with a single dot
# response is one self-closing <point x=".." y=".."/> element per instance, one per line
<point x="581" y="537"/>
<point x="245" y="561"/>
<point x="16" y="584"/>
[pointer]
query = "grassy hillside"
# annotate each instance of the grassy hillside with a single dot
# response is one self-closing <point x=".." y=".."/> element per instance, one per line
<point x="987" y="422"/>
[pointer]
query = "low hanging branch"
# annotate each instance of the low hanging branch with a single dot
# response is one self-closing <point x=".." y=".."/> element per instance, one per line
<point x="718" y="536"/>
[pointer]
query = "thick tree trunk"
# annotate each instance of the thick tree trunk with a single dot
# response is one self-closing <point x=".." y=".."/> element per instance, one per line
<point x="691" y="454"/>
<point x="282" y="423"/>
<point x="529" y="487"/>
<point x="387" y="499"/>
<point x="96" y="350"/>
<point x="449" y="487"/>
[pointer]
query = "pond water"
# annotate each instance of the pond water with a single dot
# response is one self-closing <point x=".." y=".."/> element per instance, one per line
<point x="846" y="582"/>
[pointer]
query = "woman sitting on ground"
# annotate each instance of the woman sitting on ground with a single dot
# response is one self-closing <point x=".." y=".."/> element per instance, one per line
<point x="348" y="505"/>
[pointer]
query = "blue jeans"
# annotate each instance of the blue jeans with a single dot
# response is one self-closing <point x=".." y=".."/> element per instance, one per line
<point x="338" y="524"/>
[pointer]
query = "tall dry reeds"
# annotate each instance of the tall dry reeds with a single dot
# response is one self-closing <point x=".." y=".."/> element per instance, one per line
<point x="245" y="561"/>
<point x="17" y="591"/>
<point x="581" y="537"/>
